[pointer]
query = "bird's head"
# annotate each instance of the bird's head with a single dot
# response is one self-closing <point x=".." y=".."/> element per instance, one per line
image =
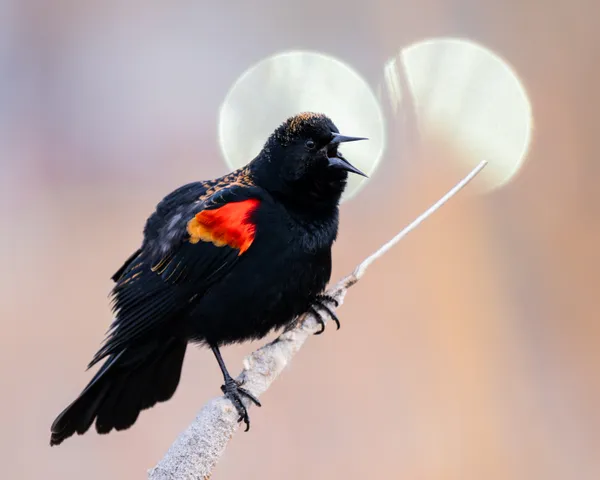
<point x="301" y="163"/>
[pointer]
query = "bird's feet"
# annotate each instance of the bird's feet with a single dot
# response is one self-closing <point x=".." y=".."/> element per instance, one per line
<point x="320" y="306"/>
<point x="235" y="392"/>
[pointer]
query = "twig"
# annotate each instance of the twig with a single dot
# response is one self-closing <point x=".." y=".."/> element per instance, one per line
<point x="197" y="450"/>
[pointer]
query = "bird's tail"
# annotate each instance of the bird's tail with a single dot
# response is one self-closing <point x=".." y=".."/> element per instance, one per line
<point x="127" y="383"/>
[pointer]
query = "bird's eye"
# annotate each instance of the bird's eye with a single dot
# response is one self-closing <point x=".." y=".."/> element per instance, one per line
<point x="310" y="144"/>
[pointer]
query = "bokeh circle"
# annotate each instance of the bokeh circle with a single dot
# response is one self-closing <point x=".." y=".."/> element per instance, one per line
<point x="467" y="94"/>
<point x="296" y="81"/>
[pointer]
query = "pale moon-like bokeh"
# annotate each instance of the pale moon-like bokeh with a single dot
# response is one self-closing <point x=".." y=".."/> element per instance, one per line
<point x="468" y="95"/>
<point x="292" y="82"/>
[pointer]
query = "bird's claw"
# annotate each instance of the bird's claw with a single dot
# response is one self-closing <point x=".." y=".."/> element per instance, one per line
<point x="324" y="298"/>
<point x="235" y="392"/>
<point x="321" y="304"/>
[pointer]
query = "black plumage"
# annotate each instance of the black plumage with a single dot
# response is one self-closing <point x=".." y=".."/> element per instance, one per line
<point x="222" y="261"/>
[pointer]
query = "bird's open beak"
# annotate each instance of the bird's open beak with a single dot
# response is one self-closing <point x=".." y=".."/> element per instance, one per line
<point x="338" y="161"/>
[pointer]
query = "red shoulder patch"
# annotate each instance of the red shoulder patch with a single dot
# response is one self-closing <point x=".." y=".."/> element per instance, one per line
<point x="227" y="225"/>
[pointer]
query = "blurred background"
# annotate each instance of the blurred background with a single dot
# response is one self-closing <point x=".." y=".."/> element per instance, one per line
<point x="470" y="351"/>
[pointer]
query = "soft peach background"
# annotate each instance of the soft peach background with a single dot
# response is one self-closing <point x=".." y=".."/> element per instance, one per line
<point x="471" y="351"/>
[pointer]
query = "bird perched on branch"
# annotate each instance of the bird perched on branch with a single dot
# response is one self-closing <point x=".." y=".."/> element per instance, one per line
<point x="221" y="261"/>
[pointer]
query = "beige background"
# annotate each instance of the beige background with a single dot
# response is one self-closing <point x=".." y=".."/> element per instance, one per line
<point x="470" y="352"/>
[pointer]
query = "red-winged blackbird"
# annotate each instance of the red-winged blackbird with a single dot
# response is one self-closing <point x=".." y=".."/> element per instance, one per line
<point x="221" y="261"/>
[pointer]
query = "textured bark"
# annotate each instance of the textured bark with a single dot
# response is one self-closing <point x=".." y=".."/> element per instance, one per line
<point x="197" y="450"/>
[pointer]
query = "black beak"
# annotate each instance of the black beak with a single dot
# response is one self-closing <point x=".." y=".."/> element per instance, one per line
<point x="337" y="138"/>
<point x="338" y="161"/>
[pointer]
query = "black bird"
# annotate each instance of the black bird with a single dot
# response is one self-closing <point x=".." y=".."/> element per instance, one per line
<point x="221" y="261"/>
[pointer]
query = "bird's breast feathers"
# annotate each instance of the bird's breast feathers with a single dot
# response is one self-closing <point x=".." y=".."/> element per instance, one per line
<point x="230" y="224"/>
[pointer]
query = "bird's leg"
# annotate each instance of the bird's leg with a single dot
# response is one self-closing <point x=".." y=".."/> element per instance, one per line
<point x="234" y="391"/>
<point x="321" y="304"/>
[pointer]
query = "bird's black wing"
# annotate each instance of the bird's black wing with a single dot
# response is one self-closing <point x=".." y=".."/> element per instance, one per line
<point x="167" y="211"/>
<point x="119" y="273"/>
<point x="193" y="239"/>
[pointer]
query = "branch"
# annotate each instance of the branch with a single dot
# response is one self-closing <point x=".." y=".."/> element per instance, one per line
<point x="196" y="451"/>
